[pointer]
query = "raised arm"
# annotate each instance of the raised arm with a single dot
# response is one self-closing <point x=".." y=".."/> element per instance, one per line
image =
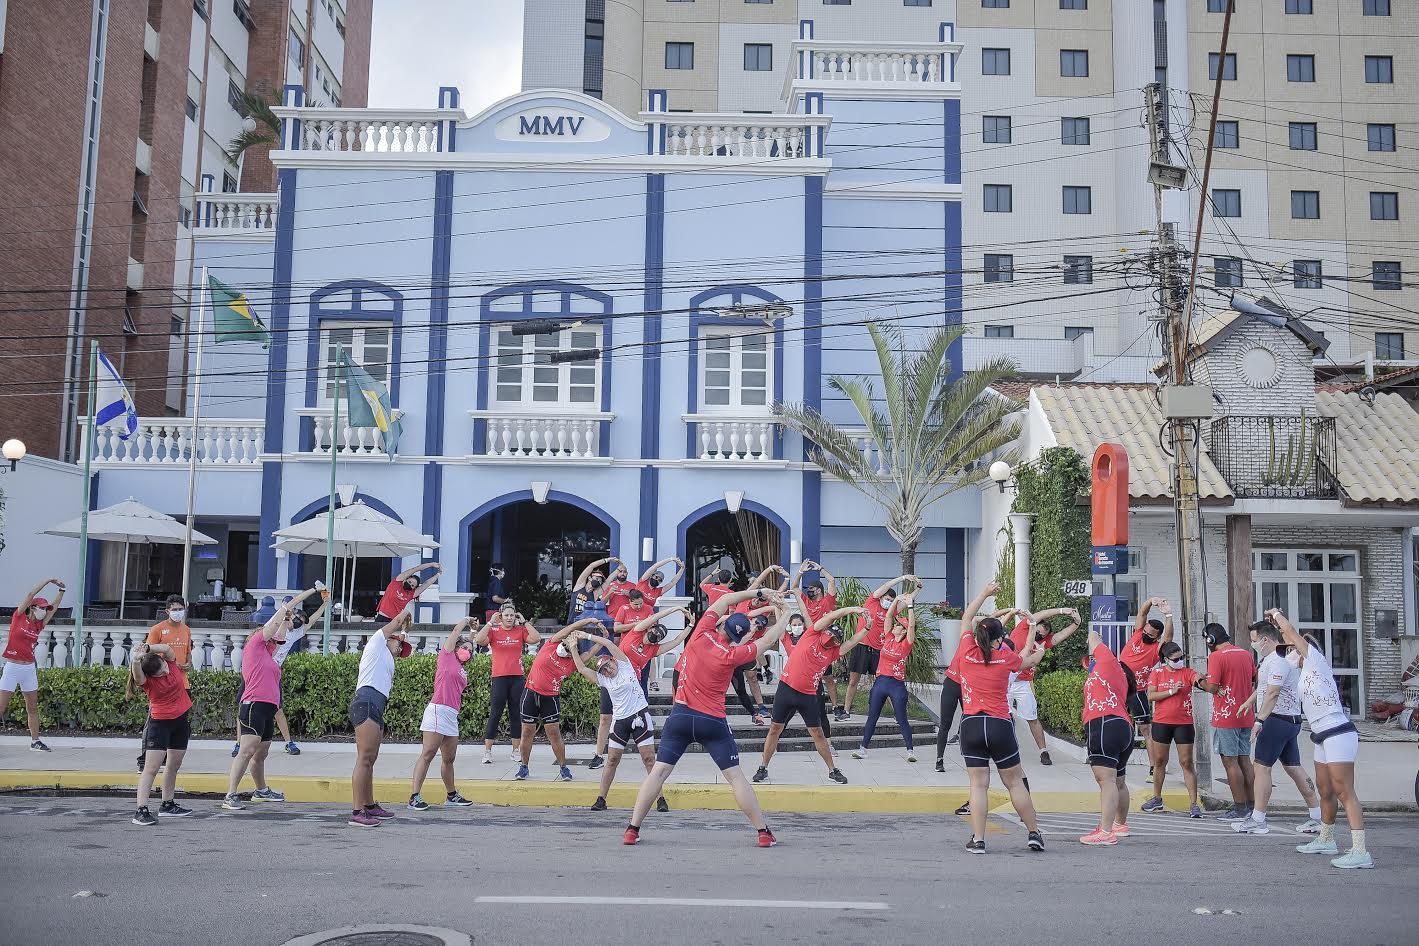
<point x="585" y="575"/>
<point x="1032" y="654"/>
<point x="571" y="629"/>
<point x="28" y="599"/>
<point x="968" y="616"/>
<point x="796" y="585"/>
<point x="762" y="577"/>
<point x="887" y="586"/>
<point x="679" y="573"/>
<point x="606" y="643"/>
<point x="771" y="637"/>
<point x="1143" y="610"/>
<point x="1289" y="633"/>
<point x="831" y="617"/>
<point x="670" y="643"/>
<point x="830" y="584"/>
<point x="54" y="605"/>
<point x="409" y="573"/>
<point x="1059" y="637"/>
<point x="402" y="620"/>
<point x="581" y="666"/>
<point x="450" y="643"/>
<point x="437" y="570"/>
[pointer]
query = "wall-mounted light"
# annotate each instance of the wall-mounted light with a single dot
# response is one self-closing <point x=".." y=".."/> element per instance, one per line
<point x="1000" y="473"/>
<point x="795" y="551"/>
<point x="14" y="451"/>
<point x="647" y="549"/>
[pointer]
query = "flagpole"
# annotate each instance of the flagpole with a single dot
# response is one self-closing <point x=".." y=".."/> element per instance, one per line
<point x="330" y="515"/>
<point x="192" y="442"/>
<point x="88" y="499"/>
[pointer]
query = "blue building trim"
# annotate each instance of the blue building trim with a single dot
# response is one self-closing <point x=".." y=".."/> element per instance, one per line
<point x="952" y="299"/>
<point x="279" y="356"/>
<point x="314" y="508"/>
<point x="270" y="522"/>
<point x="812" y="352"/>
<point x="728" y="296"/>
<point x="650" y="360"/>
<point x="438" y="340"/>
<point x="683" y="529"/>
<point x="525" y="495"/>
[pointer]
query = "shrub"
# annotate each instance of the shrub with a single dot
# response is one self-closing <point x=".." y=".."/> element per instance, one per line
<point x="1061" y="697"/>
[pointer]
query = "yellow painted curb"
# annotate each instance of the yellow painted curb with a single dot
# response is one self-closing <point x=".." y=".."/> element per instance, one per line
<point x="802" y="798"/>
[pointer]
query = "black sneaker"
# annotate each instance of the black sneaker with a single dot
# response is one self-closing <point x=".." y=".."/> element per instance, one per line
<point x="841" y="716"/>
<point x="837" y="776"/>
<point x="964" y="809"/>
<point x="144" y="817"/>
<point x="661" y="804"/>
<point x="940" y="765"/>
<point x="1036" y="842"/>
<point x="171" y="809"/>
<point x="761" y="774"/>
<point x="1044" y="757"/>
<point x="38" y="746"/>
<point x="975" y="847"/>
<point x="953" y="739"/>
<point x="141" y="766"/>
<point x="596" y="762"/>
<point x="599" y="804"/>
<point x="456" y="800"/>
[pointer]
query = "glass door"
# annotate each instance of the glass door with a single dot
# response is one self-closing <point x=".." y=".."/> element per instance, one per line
<point x="1319" y="590"/>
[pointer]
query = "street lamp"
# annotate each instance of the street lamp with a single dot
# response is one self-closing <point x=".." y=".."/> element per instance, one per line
<point x="1000" y="473"/>
<point x="14" y="451"/>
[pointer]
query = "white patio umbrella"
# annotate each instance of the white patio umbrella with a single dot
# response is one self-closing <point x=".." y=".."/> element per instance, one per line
<point x="128" y="522"/>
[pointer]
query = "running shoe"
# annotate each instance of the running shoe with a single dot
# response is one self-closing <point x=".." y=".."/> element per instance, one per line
<point x="766" y="838"/>
<point x="841" y="716"/>
<point x="1151" y="805"/>
<point x="758" y="719"/>
<point x="975" y="847"/>
<point x="267" y="794"/>
<point x="1036" y="841"/>
<point x="1251" y="826"/>
<point x="953" y="739"/>
<point x="38" y="746"/>
<point x="236" y="747"/>
<point x="860" y="752"/>
<point x="1318" y="846"/>
<point x="171" y="809"/>
<point x="456" y="800"/>
<point x="1233" y="814"/>
<point x="1350" y="860"/>
<point x="1099" y="838"/>
<point x="661" y="804"/>
<point x="765" y="711"/>
<point x="911" y="755"/>
<point x="514" y="754"/>
<point x="141" y="766"/>
<point x="292" y="749"/>
<point x="837" y="776"/>
<point x="599" y="804"/>
<point x="417" y="803"/>
<point x="144" y="817"/>
<point x="1309" y="826"/>
<point x="232" y="803"/>
<point x="1120" y="830"/>
<point x="363" y="819"/>
<point x="565" y="774"/>
<point x="487" y="757"/>
<point x="768" y="676"/>
<point x="1044" y="757"/>
<point x="521" y="773"/>
<point x="761" y="774"/>
<point x="632" y="835"/>
<point x="1195" y="811"/>
<point x="596" y="762"/>
<point x="941" y="765"/>
<point x="965" y="809"/>
<point x="378" y="811"/>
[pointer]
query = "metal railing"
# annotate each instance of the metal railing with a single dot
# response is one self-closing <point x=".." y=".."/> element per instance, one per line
<point x="1283" y="457"/>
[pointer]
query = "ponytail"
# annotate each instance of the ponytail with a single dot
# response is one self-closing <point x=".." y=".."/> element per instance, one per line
<point x="987" y="631"/>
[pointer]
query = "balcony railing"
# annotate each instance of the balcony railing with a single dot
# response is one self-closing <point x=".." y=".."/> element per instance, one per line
<point x="875" y="65"/>
<point x="387" y="131"/>
<point x="1291" y="457"/>
<point x="158" y="441"/>
<point x="746" y="439"/>
<point x="349" y="441"/>
<point x="731" y="136"/>
<point x="252" y="214"/>
<point x="524" y="434"/>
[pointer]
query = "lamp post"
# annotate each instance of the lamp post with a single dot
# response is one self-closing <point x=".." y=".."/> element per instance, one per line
<point x="14" y="451"/>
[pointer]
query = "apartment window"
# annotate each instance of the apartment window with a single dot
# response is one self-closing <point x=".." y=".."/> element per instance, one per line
<point x="1074" y="131"/>
<point x="1379" y="69"/>
<point x="1384" y="205"/>
<point x="998" y="199"/>
<point x="191" y="109"/>
<point x="758" y="57"/>
<point x="234" y="96"/>
<point x="1071" y="332"/>
<point x="1305" y="274"/>
<point x="367" y="343"/>
<point x="1074" y="63"/>
<point x="177" y="349"/>
<point x="1226" y="202"/>
<point x="995" y="62"/>
<point x="1389" y="346"/>
<point x="1227" y="272"/>
<point x="1078" y="200"/>
<point x="1298" y="6"/>
<point x="1078" y="270"/>
<point x="999" y="267"/>
<point x="1216" y="6"/>
<point x="995" y="129"/>
<point x="679" y="55"/>
<point x="1380" y="137"/>
<point x="1000" y="331"/>
<point x="1385" y="274"/>
<point x="524" y="372"/>
<point x="1228" y="135"/>
<point x="1074" y="4"/>
<point x="229" y="183"/>
<point x="1305" y="205"/>
<point x="184" y="215"/>
<point x="995" y="4"/>
<point x="1303" y="136"/>
<point x="295" y="48"/>
<point x="736" y="372"/>
<point x="242" y="10"/>
<point x="1229" y="67"/>
<point x="1300" y="68"/>
<point x="1376" y="8"/>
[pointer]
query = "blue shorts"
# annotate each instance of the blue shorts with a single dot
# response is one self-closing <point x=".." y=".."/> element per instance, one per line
<point x="1277" y="741"/>
<point x="686" y="726"/>
<point x="1232" y="742"/>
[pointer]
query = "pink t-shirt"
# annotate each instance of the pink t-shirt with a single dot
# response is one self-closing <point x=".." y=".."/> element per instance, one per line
<point x="450" y="679"/>
<point x="260" y="671"/>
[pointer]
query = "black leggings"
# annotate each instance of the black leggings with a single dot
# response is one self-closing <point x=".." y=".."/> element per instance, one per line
<point x="824" y="713"/>
<point x="950" y="702"/>
<point x="741" y="690"/>
<point x="506" y="697"/>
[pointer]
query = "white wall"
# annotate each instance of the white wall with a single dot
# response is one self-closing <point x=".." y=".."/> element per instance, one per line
<point x="39" y="494"/>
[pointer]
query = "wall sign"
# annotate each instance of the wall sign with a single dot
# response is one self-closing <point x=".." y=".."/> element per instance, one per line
<point x="551" y="125"/>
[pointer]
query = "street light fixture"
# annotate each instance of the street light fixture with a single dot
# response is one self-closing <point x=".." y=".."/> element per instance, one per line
<point x="1000" y="473"/>
<point x="14" y="451"/>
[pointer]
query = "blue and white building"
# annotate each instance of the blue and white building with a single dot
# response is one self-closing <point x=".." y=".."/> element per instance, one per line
<point x="718" y="262"/>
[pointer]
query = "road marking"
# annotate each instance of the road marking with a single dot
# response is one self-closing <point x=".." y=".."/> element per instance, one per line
<point x="692" y="902"/>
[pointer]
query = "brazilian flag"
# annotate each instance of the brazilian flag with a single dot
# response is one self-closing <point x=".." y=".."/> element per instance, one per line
<point x="232" y="316"/>
<point x="367" y="402"/>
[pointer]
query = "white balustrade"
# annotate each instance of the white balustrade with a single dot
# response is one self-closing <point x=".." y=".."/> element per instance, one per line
<point x="566" y="436"/>
<point x="63" y="637"/>
<point x="877" y="65"/>
<point x="236" y="642"/>
<point x="41" y="649"/>
<point x="349" y="441"/>
<point x="735" y="438"/>
<point x="159" y="440"/>
<point x="876" y="459"/>
<point x="350" y="133"/>
<point x="712" y="136"/>
<point x="246" y="213"/>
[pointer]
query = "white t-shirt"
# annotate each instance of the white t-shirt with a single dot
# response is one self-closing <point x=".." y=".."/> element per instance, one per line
<point x="1319" y="697"/>
<point x="627" y="698"/>
<point x="1275" y="671"/>
<point x="284" y="650"/>
<point x="376" y="665"/>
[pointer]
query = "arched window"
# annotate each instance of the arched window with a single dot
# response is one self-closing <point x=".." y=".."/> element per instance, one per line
<point x="526" y="328"/>
<point x="364" y="319"/>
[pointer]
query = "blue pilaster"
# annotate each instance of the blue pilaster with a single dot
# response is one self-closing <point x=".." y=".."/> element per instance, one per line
<point x="812" y="351"/>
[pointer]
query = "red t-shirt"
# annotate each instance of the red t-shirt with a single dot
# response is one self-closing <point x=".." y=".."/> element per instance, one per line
<point x="395" y="599"/>
<point x="1106" y="690"/>
<point x="814" y="610"/>
<point x="893" y="662"/>
<point x="808" y="660"/>
<point x="1021" y="636"/>
<point x="167" y="695"/>
<point x="651" y="592"/>
<point x="549" y="670"/>
<point x="1231" y="669"/>
<point x="710" y="662"/>
<point x="1139" y="656"/>
<point x="507" y="644"/>
<point x="984" y="685"/>
<point x="617" y="595"/>
<point x="1173" y="710"/>
<point x="637" y="651"/>
<point x="24" y="634"/>
<point x="877" y="614"/>
<point x="630" y="614"/>
<point x="713" y="593"/>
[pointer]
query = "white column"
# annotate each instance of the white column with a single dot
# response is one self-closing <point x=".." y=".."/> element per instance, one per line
<point x="1020" y="525"/>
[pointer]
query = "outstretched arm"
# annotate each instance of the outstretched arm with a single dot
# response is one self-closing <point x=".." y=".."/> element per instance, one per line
<point x="54" y="605"/>
<point x="581" y="666"/>
<point x="585" y="575"/>
<point x="572" y="628"/>
<point x="450" y="643"/>
<point x="606" y="643"/>
<point x="402" y="620"/>
<point x="1289" y="632"/>
<point x="771" y="638"/>
<point x="830" y="584"/>
<point x="968" y="617"/>
<point x="28" y="600"/>
<point x="1059" y="637"/>
<point x="1143" y="610"/>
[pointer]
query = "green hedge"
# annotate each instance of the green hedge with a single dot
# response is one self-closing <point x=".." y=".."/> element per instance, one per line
<point x="315" y="693"/>
<point x="1061" y="697"/>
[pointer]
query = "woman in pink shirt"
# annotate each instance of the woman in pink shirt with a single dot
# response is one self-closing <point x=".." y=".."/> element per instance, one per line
<point x="440" y="723"/>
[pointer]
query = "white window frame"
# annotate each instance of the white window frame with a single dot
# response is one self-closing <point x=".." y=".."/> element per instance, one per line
<point x="736" y="406"/>
<point x="535" y="347"/>
<point x="324" y="396"/>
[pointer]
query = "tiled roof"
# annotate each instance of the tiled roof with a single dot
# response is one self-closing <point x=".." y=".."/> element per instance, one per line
<point x="1380" y="381"/>
<point x="1376" y="445"/>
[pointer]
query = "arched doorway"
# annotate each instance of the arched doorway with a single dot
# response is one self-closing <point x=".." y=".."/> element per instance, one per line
<point x="542" y="546"/>
<point x="746" y="542"/>
<point x="371" y="573"/>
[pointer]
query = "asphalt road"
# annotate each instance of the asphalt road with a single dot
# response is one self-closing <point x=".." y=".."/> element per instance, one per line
<point x="263" y="876"/>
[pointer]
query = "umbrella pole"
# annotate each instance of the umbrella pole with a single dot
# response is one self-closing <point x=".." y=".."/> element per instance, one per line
<point x="334" y="455"/>
<point x="350" y="565"/>
<point x="123" y="588"/>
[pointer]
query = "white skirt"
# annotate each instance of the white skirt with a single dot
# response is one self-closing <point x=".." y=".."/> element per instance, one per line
<point x="440" y="719"/>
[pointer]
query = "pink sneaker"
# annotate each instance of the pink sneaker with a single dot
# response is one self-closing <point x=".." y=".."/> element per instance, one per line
<point x="1120" y="830"/>
<point x="375" y="811"/>
<point x="363" y="819"/>
<point x="1099" y="837"/>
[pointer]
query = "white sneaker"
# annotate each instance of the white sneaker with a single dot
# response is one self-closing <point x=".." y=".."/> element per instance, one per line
<point x="514" y="754"/>
<point x="487" y="757"/>
<point x="911" y="756"/>
<point x="1251" y="826"/>
<point x="1310" y="826"/>
<point x="1353" y="859"/>
<point x="1317" y="846"/>
<point x="860" y="752"/>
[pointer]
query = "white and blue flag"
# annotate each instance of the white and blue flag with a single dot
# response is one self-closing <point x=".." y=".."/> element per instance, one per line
<point x="113" y="406"/>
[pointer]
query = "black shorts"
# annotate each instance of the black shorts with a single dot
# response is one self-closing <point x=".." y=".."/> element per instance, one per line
<point x="257" y="719"/>
<point x="1183" y="734"/>
<point x="632" y="731"/>
<point x="788" y="701"/>
<point x="986" y="739"/>
<point x="164" y="734"/>
<point x="1139" y="708"/>
<point x="605" y="701"/>
<point x="540" y="708"/>
<point x="368" y="706"/>
<point x="1109" y="742"/>
<point x="863" y="659"/>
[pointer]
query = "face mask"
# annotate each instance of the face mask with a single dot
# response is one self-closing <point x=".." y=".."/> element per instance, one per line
<point x="411" y="584"/>
<point x="37" y="613"/>
<point x="177" y="615"/>
<point x="464" y="654"/>
<point x="1150" y="638"/>
<point x="1176" y="664"/>
<point x="296" y="623"/>
<point x="795" y="631"/>
<point x="597" y="582"/>
<point x="655" y="581"/>
<point x="1293" y="658"/>
<point x="562" y="651"/>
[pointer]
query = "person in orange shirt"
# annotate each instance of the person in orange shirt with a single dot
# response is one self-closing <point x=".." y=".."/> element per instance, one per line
<point x="173" y="632"/>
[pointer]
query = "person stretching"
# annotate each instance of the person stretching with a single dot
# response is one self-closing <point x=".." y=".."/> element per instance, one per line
<point x="950" y="702"/>
<point x="154" y="669"/>
<point x="891" y="676"/>
<point x="507" y="635"/>
<point x="698" y="714"/>
<point x="865" y="658"/>
<point x="1108" y="738"/>
<point x="542" y="696"/>
<point x="174" y="632"/>
<point x="440" y="723"/>
<point x="31" y="616"/>
<point x="628" y="606"/>
<point x="405" y="588"/>
<point x="1022" y="687"/>
<point x="797" y="693"/>
<point x="1170" y="688"/>
<point x="816" y="599"/>
<point x="372" y="686"/>
<point x="1140" y="655"/>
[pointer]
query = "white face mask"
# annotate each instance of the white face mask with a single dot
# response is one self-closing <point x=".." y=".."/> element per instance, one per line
<point x="177" y="615"/>
<point x="1293" y="658"/>
<point x="37" y="613"/>
<point x="562" y="651"/>
<point x="1176" y="664"/>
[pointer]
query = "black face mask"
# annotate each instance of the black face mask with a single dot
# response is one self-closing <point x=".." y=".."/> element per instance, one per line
<point x="1150" y="639"/>
<point x="597" y="582"/>
<point x="411" y="585"/>
<point x="655" y="581"/>
<point x="1040" y="637"/>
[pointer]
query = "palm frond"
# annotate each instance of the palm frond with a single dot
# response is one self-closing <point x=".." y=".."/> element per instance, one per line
<point x="258" y="107"/>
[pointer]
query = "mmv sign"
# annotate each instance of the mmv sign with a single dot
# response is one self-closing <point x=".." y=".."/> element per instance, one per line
<point x="552" y="125"/>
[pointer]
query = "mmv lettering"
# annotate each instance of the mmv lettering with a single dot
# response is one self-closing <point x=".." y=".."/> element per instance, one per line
<point x="543" y="125"/>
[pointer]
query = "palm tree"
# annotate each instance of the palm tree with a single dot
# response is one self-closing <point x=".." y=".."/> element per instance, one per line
<point x="926" y="436"/>
<point x="260" y="126"/>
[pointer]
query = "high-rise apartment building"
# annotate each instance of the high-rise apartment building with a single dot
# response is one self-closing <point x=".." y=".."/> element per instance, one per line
<point x="1313" y="171"/>
<point x="111" y="114"/>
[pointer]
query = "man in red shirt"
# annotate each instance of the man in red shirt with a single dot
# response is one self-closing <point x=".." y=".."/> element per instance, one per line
<point x="155" y="669"/>
<point x="1108" y="738"/>
<point x="405" y="587"/>
<point x="542" y="696"/>
<point x="1140" y="655"/>
<point x="1022" y="688"/>
<point x="653" y="584"/>
<point x="31" y="616"/>
<point x="1231" y="677"/>
<point x="698" y="715"/>
<point x="865" y="658"/>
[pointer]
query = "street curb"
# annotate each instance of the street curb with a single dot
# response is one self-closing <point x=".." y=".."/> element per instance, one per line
<point x="538" y="794"/>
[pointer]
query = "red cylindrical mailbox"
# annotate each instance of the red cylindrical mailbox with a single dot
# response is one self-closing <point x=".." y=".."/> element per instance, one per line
<point x="1110" y="495"/>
